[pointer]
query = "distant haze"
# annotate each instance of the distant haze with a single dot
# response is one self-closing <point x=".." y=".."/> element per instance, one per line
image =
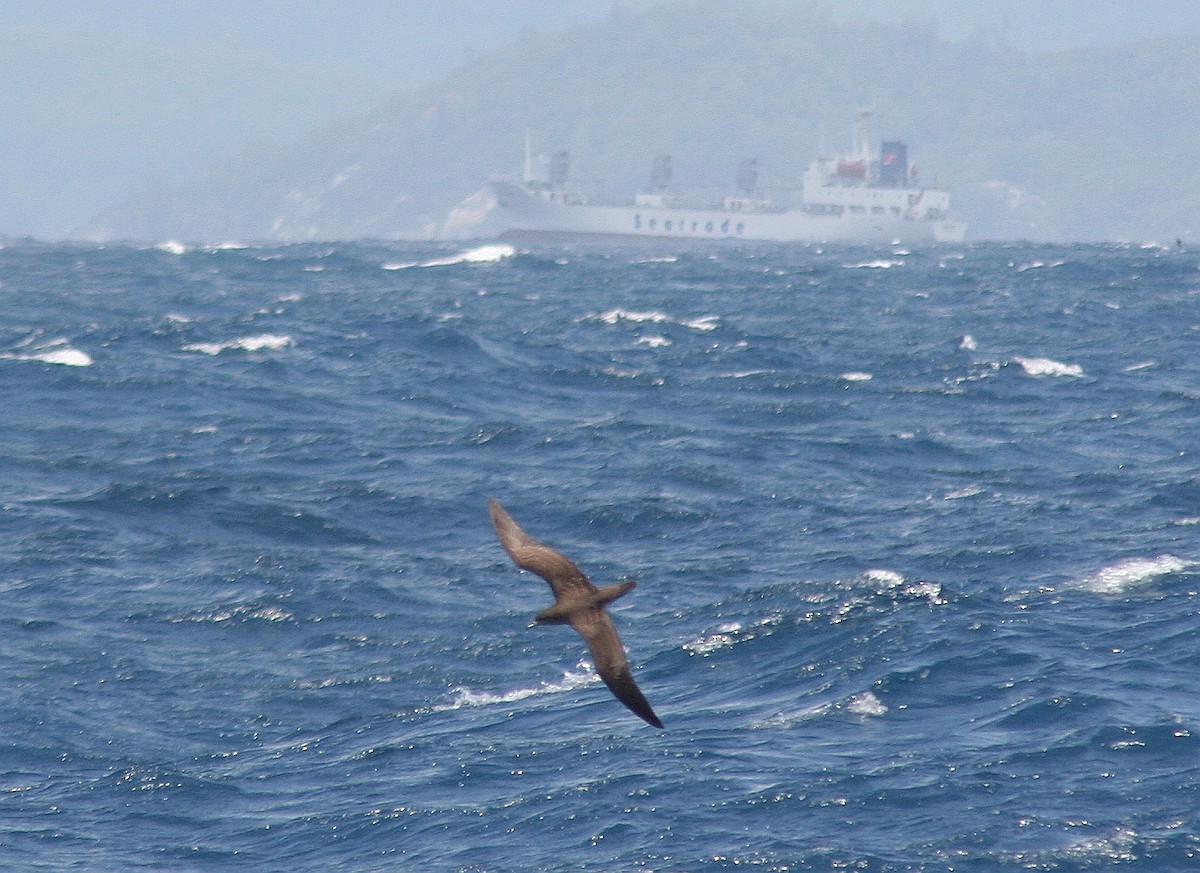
<point x="103" y="103"/>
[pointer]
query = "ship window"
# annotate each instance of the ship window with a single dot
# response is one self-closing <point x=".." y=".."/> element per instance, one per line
<point x="895" y="210"/>
<point x="877" y="210"/>
<point x="695" y="224"/>
<point x="741" y="227"/>
<point x="708" y="227"/>
<point x="637" y="222"/>
<point x="858" y="210"/>
<point x="653" y="223"/>
<point x="667" y="224"/>
<point x="725" y="226"/>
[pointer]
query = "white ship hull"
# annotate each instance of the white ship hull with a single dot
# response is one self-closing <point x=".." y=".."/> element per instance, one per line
<point x="526" y="213"/>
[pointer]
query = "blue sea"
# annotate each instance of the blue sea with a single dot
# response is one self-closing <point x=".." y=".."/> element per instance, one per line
<point x="916" y="533"/>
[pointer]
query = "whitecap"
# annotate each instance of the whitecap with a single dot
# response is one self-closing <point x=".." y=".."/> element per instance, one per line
<point x="1048" y="367"/>
<point x="57" y="351"/>
<point x="885" y="578"/>
<point x="1142" y="365"/>
<point x="745" y="374"/>
<point x="723" y="638"/>
<point x="1130" y="573"/>
<point x="67" y="357"/>
<point x="967" y="343"/>
<point x="464" y="697"/>
<point x="172" y="247"/>
<point x="856" y="377"/>
<point x="880" y="264"/>
<point x="866" y="704"/>
<point x="962" y="493"/>
<point x="654" y="342"/>
<point x="488" y="254"/>
<point x="616" y="316"/>
<point x="1037" y="265"/>
<point x="704" y="322"/>
<point x="262" y="342"/>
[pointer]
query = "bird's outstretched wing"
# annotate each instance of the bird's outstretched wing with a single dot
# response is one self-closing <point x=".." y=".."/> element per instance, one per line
<point x="597" y="629"/>
<point x="527" y="553"/>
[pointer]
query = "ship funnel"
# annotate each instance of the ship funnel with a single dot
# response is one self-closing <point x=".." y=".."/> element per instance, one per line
<point x="748" y="176"/>
<point x="660" y="173"/>
<point x="893" y="164"/>
<point x="560" y="167"/>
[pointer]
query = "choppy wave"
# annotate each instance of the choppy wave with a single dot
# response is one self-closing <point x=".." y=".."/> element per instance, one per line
<point x="877" y="264"/>
<point x="1038" y="265"/>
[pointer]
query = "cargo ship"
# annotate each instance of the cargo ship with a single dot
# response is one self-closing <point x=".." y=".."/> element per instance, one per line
<point x="866" y="195"/>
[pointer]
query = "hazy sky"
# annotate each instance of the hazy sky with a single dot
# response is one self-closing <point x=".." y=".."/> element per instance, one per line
<point x="98" y="97"/>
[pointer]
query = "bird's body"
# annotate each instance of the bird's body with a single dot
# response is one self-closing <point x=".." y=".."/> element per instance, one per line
<point x="580" y="604"/>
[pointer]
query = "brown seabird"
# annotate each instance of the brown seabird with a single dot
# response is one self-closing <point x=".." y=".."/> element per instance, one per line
<point x="580" y="604"/>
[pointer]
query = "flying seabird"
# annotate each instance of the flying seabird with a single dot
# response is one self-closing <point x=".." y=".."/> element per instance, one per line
<point x="580" y="604"/>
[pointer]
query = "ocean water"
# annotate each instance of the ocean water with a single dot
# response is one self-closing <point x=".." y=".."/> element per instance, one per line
<point x="916" y="533"/>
